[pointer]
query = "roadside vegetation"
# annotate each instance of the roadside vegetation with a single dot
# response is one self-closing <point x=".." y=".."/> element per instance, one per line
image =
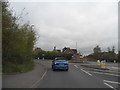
<point x="39" y="53"/>
<point x="109" y="55"/>
<point x="97" y="54"/>
<point x="17" y="43"/>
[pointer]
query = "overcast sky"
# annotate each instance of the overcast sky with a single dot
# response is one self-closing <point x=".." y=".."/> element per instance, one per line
<point x="63" y="24"/>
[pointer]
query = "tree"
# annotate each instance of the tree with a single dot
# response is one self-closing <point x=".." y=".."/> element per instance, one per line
<point x="17" y="42"/>
<point x="97" y="52"/>
<point x="111" y="54"/>
<point x="97" y="49"/>
<point x="113" y="49"/>
<point x="109" y="50"/>
<point x="119" y="56"/>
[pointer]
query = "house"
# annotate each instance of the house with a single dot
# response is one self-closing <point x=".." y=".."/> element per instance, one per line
<point x="56" y="50"/>
<point x="70" y="51"/>
<point x="74" y="51"/>
<point x="67" y="50"/>
<point x="76" y="56"/>
<point x="64" y="49"/>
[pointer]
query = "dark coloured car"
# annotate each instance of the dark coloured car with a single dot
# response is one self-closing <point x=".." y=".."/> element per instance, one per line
<point x="60" y="63"/>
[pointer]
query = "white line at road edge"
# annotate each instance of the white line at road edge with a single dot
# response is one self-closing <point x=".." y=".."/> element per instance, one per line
<point x="76" y="66"/>
<point x="111" y="82"/>
<point x="110" y="86"/>
<point x="39" y="80"/>
<point x="86" y="72"/>
<point x="105" y="73"/>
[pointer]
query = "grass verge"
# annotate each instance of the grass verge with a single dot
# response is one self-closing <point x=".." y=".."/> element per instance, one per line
<point x="10" y="68"/>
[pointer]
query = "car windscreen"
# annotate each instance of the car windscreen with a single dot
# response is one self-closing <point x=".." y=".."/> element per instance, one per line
<point x="59" y="58"/>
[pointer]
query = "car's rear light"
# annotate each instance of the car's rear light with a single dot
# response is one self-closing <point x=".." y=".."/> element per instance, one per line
<point x="55" y="63"/>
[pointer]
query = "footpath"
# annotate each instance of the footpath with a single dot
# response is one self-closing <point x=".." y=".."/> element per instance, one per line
<point x="24" y="80"/>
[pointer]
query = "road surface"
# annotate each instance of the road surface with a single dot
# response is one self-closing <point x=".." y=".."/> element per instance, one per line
<point x="77" y="77"/>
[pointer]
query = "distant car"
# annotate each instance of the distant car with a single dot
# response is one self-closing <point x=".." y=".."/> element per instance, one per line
<point x="60" y="63"/>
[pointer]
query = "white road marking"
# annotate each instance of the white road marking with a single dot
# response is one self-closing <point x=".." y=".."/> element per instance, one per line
<point x="39" y="80"/>
<point x="86" y="72"/>
<point x="105" y="73"/>
<point x="110" y="86"/>
<point x="115" y="67"/>
<point x="76" y="66"/>
<point x="108" y="71"/>
<point x="111" y="82"/>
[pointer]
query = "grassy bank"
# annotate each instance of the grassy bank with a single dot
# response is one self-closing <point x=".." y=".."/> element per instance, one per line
<point x="10" y="68"/>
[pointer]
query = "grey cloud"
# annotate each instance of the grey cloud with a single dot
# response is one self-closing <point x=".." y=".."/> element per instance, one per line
<point x="64" y="24"/>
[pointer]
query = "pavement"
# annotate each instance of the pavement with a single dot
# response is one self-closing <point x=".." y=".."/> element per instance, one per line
<point x="24" y="80"/>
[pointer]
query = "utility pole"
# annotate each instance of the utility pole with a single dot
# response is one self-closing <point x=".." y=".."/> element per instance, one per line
<point x="76" y="45"/>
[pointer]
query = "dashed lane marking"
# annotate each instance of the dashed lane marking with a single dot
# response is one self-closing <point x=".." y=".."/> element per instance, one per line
<point x="86" y="72"/>
<point x="76" y="66"/>
<point x="111" y="82"/>
<point x="110" y="86"/>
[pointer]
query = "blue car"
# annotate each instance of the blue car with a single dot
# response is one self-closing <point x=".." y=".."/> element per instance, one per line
<point x="60" y="63"/>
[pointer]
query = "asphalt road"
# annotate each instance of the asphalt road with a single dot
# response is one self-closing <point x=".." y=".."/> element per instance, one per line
<point x="77" y="77"/>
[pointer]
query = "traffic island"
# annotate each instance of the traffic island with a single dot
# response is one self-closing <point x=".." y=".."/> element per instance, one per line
<point x="77" y="61"/>
<point x="95" y="66"/>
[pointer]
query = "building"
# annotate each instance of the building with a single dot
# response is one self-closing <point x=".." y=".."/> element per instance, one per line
<point x="56" y="50"/>
<point x="76" y="56"/>
<point x="74" y="51"/>
<point x="67" y="50"/>
<point x="70" y="51"/>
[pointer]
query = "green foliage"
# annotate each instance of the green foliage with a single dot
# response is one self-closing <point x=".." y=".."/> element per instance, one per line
<point x="110" y="56"/>
<point x="17" y="42"/>
<point x="10" y="67"/>
<point x="67" y="56"/>
<point x="97" y="52"/>
<point x="97" y="49"/>
<point x="118" y="56"/>
<point x="50" y="54"/>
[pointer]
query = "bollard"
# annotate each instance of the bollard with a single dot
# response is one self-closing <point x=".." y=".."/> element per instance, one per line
<point x="114" y="61"/>
<point x="98" y="62"/>
<point x="103" y="65"/>
<point x="38" y="58"/>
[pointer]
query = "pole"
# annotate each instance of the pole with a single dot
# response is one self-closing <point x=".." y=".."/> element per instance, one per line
<point x="76" y="45"/>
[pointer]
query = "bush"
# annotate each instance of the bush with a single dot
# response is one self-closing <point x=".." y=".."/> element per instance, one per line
<point x="17" y="68"/>
<point x="17" y="42"/>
